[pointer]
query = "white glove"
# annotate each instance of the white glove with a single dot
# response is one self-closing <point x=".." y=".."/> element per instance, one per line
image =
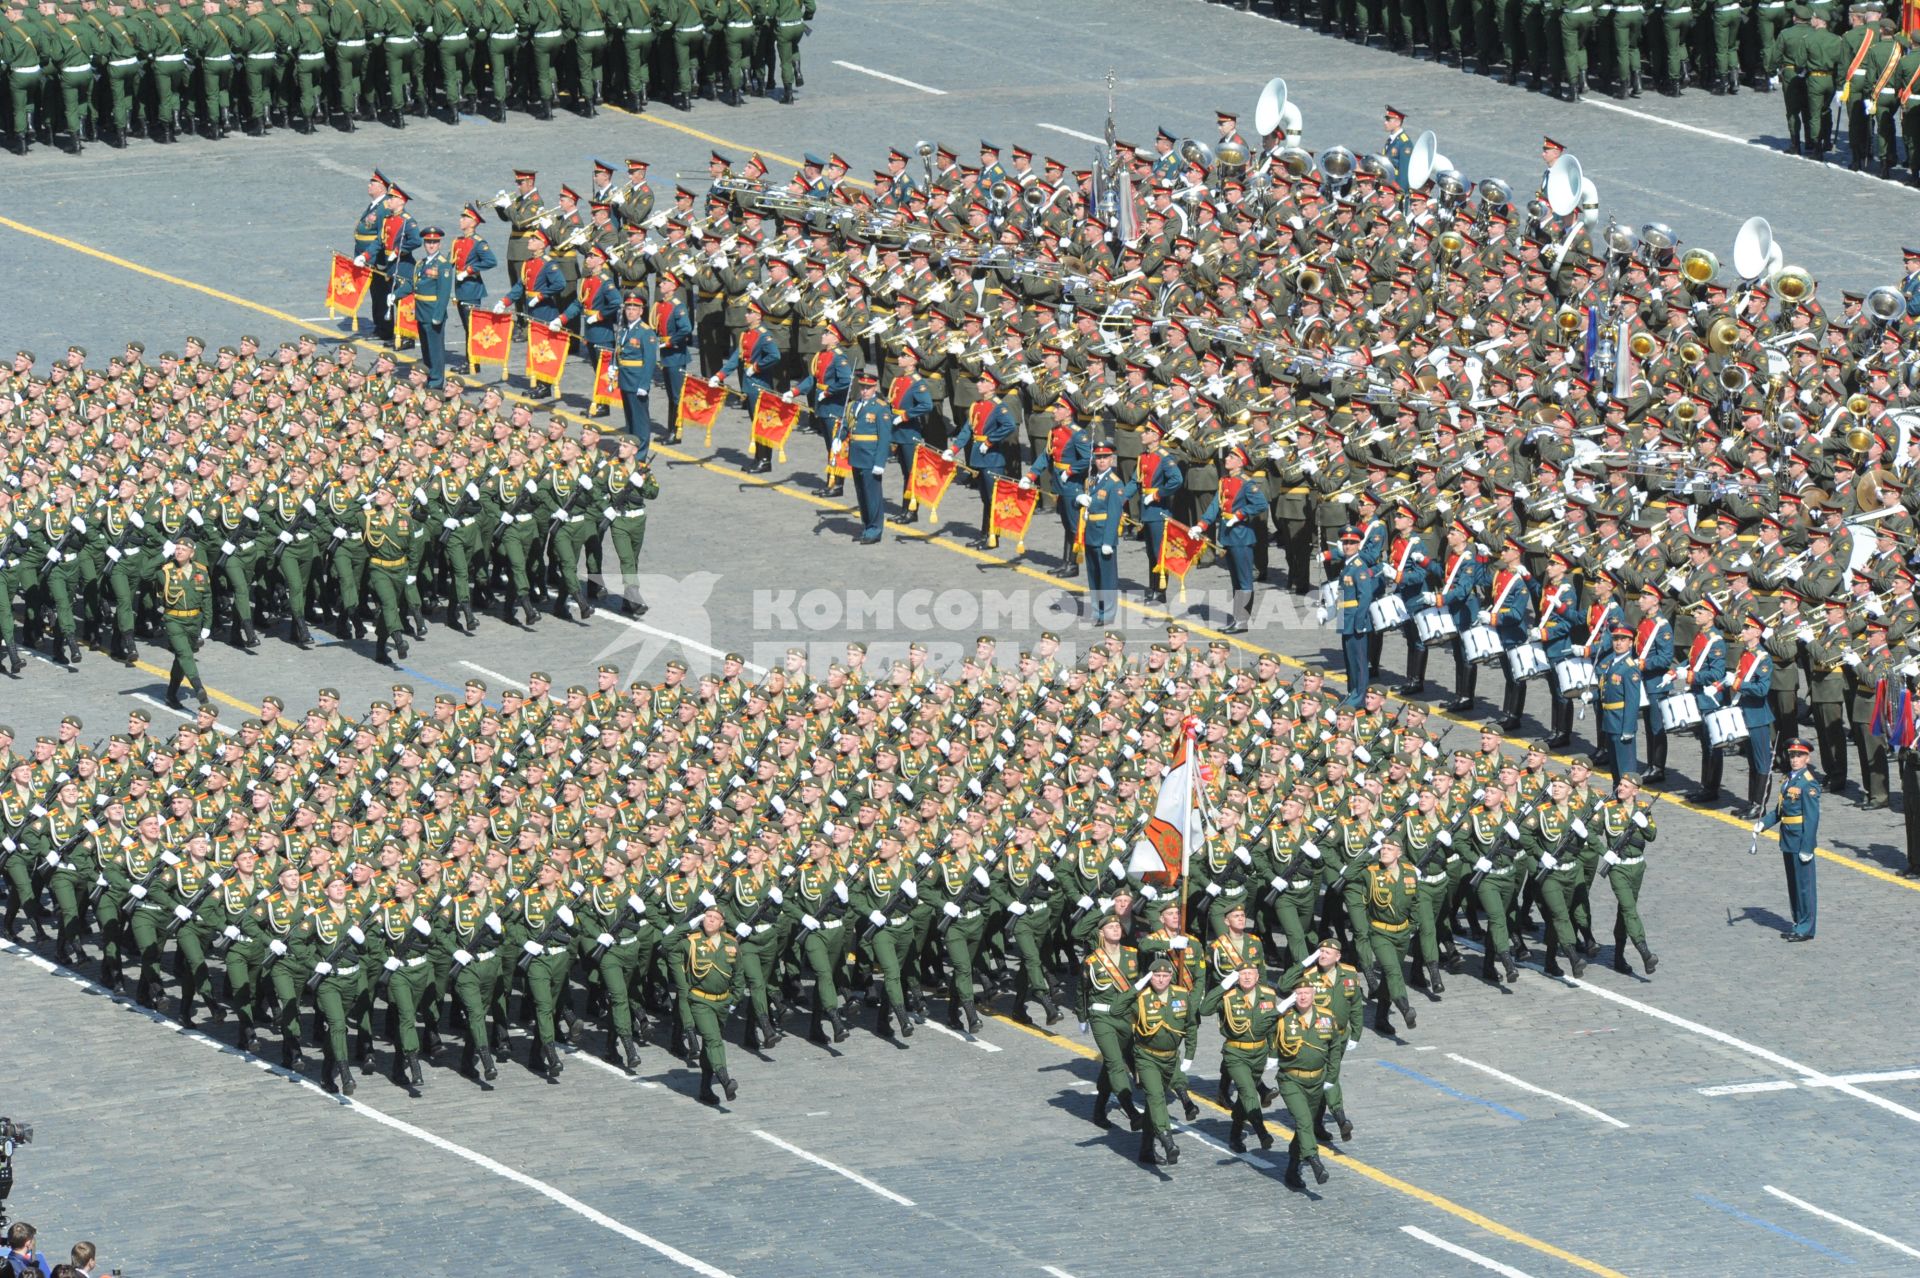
<point x="462" y="957"/>
<point x="138" y="892"/>
<point x="981" y="876"/>
<point x="1045" y="872"/>
<point x="285" y="538"/>
<point x="1177" y="943"/>
<point x="1186" y="1064"/>
<point x="879" y="470"/>
<point x="500" y="307"/>
<point x="743" y="930"/>
<point x="1759" y="827"/>
<point x="1084" y="903"/>
<point x="912" y="890"/>
<point x="450" y="524"/>
<point x="809" y="922"/>
<point x="1513" y="831"/>
<point x="1016" y="909"/>
<point x="1609" y="858"/>
<point x="840" y="891"/>
<point x="951" y="910"/>
<point x="359" y="937"/>
<point x="1083" y="501"/>
<point x="1311" y="850"/>
<point x="392" y="964"/>
<point x="533" y="948"/>
<point x="1482" y="866"/>
<point x="54" y="556"/>
<point x="1640" y="819"/>
<point x="1213" y="889"/>
<point x="423" y="927"/>
<point x="1444" y="839"/>
<point x="1580" y="827"/>
<point x="323" y="968"/>
<point x="279" y="948"/>
<point x="1547" y="862"/>
<point x="182" y="913"/>
<point x="1107" y="551"/>
<point x="1230" y="980"/>
<point x="339" y="534"/>
<point x="231" y="932"/>
<point x="947" y="454"/>
<point x="1026" y="483"/>
<point x="566" y="915"/>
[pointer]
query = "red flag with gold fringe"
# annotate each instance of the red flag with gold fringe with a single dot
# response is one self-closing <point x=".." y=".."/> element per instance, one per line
<point x="1012" y="512"/>
<point x="700" y="404"/>
<point x="347" y="286"/>
<point x="1180" y="549"/>
<point x="773" y="422"/>
<point x="606" y="387"/>
<point x="546" y="352"/>
<point x="406" y="323"/>
<point x="489" y="337"/>
<point x="931" y="476"/>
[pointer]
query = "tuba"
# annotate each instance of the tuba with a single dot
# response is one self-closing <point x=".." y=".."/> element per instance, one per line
<point x="1567" y="320"/>
<point x="1691" y="352"/>
<point x="1297" y="161"/>
<point x="1734" y="380"/>
<point x="1794" y="284"/>
<point x="1722" y="334"/>
<point x="1886" y="305"/>
<point x="1495" y="194"/>
<point x="1699" y="266"/>
<point x="1641" y="344"/>
<point x="1859" y="434"/>
<point x="1685" y="411"/>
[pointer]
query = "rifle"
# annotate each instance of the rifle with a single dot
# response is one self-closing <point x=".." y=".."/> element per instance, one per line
<point x="137" y="890"/>
<point x="231" y="932"/>
<point x="981" y="878"/>
<point x="1500" y="842"/>
<point x="1041" y="880"/>
<point x="471" y="494"/>
<point x="1113" y="872"/>
<point x="308" y="511"/>
<point x="1420" y="864"/>
<point x="632" y="911"/>
<point x="1370" y="857"/>
<point x="1277" y="886"/>
<point x="57" y="552"/>
<point x="772" y="897"/>
<point x="925" y="861"/>
<point x="420" y="929"/>
<point x="339" y="948"/>
<point x="562" y="920"/>
<point x="184" y="912"/>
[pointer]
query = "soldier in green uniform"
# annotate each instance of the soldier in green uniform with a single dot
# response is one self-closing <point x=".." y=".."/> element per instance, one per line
<point x="303" y="80"/>
<point x="1165" y="1026"/>
<point x="1389" y="889"/>
<point x="71" y="862"/>
<point x="1305" y="1039"/>
<point x="751" y="903"/>
<point x="630" y="485"/>
<point x="962" y="886"/>
<point x="787" y="21"/>
<point x="241" y="550"/>
<point x="118" y="82"/>
<point x="709" y="956"/>
<point x="387" y="536"/>
<point x="1337" y="991"/>
<point x="230" y="906"/>
<point x="1673" y="24"/>
<point x="186" y="609"/>
<point x="614" y="913"/>
<point x="1109" y="971"/>
<point x="402" y="933"/>
<point x="1248" y="1009"/>
<point x="474" y="930"/>
<point x="23" y="72"/>
<point x="277" y="931"/>
<point x="1626" y="827"/>
<point x="69" y="52"/>
<point x="538" y="933"/>
<point x="1551" y="835"/>
<point x="336" y="941"/>
<point x="1491" y="835"/>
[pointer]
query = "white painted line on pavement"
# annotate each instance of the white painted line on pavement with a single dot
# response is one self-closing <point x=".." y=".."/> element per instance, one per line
<point x="980" y="1043"/>
<point x="1072" y="133"/>
<point x="1525" y="1086"/>
<point x="1808" y="1074"/>
<point x="1728" y="137"/>
<point x="1747" y="1089"/>
<point x="1838" y="1219"/>
<point x="1055" y="1270"/>
<point x="835" y="1168"/>
<point x="891" y="79"/>
<point x="1455" y="1249"/>
<point x="158" y="704"/>
<point x="682" y="640"/>
<point x="386" y="1120"/>
<point x="582" y="1054"/>
<point x="1252" y="1160"/>
<point x="495" y="675"/>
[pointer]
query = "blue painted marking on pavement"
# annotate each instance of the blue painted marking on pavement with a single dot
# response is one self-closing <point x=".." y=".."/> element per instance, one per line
<point x="427" y="678"/>
<point x="1439" y="1086"/>
<point x="1749" y="1219"/>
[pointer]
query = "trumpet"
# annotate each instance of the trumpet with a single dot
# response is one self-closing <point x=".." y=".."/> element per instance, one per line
<point x="501" y="199"/>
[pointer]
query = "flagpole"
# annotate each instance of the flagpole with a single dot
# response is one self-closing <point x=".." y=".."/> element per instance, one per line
<point x="1190" y="736"/>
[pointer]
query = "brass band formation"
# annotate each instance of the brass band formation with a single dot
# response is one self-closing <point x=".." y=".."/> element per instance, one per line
<point x="1577" y="454"/>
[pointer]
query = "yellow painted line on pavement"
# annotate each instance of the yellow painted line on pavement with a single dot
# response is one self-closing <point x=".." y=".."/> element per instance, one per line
<point x="932" y="538"/>
<point x="717" y="140"/>
<point x="223" y="698"/>
<point x="1372" y="1173"/>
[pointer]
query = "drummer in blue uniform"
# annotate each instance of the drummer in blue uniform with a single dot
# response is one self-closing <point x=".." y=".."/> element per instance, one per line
<point x="1510" y="613"/>
<point x="1749" y="685"/>
<point x="866" y="430"/>
<point x="1461" y="580"/>
<point x="1554" y="633"/>
<point x="1102" y="497"/>
<point x="1653" y="652"/>
<point x="1409" y="573"/>
<point x="1702" y="675"/>
<point x="1617" y="688"/>
<point x="1798" y="816"/>
<point x="1240" y="508"/>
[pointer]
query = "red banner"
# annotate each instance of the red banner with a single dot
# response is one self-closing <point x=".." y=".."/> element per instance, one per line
<point x="489" y="337"/>
<point x="1012" y="512"/>
<point x="606" y="387"/>
<point x="347" y="286"/>
<point x="929" y="480"/>
<point x="773" y="422"/>
<point x="546" y="352"/>
<point x="1179" y="550"/>
<point x="700" y="404"/>
<point x="406" y="323"/>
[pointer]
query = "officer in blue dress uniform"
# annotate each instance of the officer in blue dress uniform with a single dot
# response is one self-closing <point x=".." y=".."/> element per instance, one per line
<point x="1462" y="579"/>
<point x="392" y="260"/>
<point x="1653" y="651"/>
<point x="1358" y="583"/>
<point x="1102" y="498"/>
<point x="866" y="432"/>
<point x="1158" y="479"/>
<point x="1240" y="508"/>
<point x="1798" y="816"/>
<point x="1398" y="147"/>
<point x="1409" y="573"/>
<point x="1749" y="686"/>
<point x="431" y="286"/>
<point x="635" y="357"/>
<point x="1510" y="613"/>
<point x="1703" y="674"/>
<point x="756" y="357"/>
<point x="1617" y="687"/>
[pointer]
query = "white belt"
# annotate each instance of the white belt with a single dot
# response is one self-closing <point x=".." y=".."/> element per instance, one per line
<point x="467" y="523"/>
<point x="1574" y="13"/>
<point x="312" y="57"/>
<point x="1628" y="8"/>
<point x="350" y="44"/>
<point x="597" y="31"/>
<point x="171" y="57"/>
<point x="421" y="961"/>
<point x="481" y="956"/>
<point x="1727" y="8"/>
<point x="1433" y="878"/>
<point x="1630" y="860"/>
<point x="399" y="39"/>
<point x="695" y="28"/>
<point x="538" y="34"/>
<point x="220" y="57"/>
<point x="1099" y="1007"/>
<point x="78" y="66"/>
<point x="503" y="35"/>
<point x="345" y="971"/>
<point x="739" y="26"/>
<point x="631" y="940"/>
<point x="124" y="62"/>
<point x="785" y="25"/>
<point x="970" y="914"/>
<point x="36" y="66"/>
<point x="828" y="927"/>
<point x="629" y="512"/>
<point x="262" y="57"/>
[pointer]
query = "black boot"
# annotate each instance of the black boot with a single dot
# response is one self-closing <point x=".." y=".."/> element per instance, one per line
<point x="1102" y="1097"/>
<point x="1051" y="1008"/>
<point x="488" y="1070"/>
<point x="551" y="1053"/>
<point x="1237" y="1136"/>
<point x="1292" y="1178"/>
<point x="1511" y="968"/>
<point x="1169" y="1152"/>
<point x="1406" y="1011"/>
<point x="630" y="1054"/>
<point x="1648" y="959"/>
<point x="707" y="1095"/>
<point x="1146" y="1149"/>
<point x="290" y="1052"/>
<point x="727" y="1085"/>
<point x="1345" y="1125"/>
<point x="1127" y="1107"/>
<point x="1319" y="1170"/>
<point x="1260" y="1130"/>
<point x="972" y="1017"/>
<point x="346" y="1078"/>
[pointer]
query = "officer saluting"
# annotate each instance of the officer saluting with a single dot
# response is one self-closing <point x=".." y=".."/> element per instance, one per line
<point x="1798" y="816"/>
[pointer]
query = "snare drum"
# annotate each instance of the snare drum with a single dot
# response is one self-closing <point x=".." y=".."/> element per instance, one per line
<point x="1678" y="711"/>
<point x="1389" y="612"/>
<point x="1480" y="644"/>
<point x="1526" y="661"/>
<point x="1727" y="730"/>
<point x="1433" y="626"/>
<point x="1575" y="674"/>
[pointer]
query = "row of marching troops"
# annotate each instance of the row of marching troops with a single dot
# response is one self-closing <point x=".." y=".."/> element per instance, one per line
<point x="1331" y="357"/>
<point x="220" y="493"/>
<point x="1566" y="47"/>
<point x="73" y="70"/>
<point x="682" y="855"/>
